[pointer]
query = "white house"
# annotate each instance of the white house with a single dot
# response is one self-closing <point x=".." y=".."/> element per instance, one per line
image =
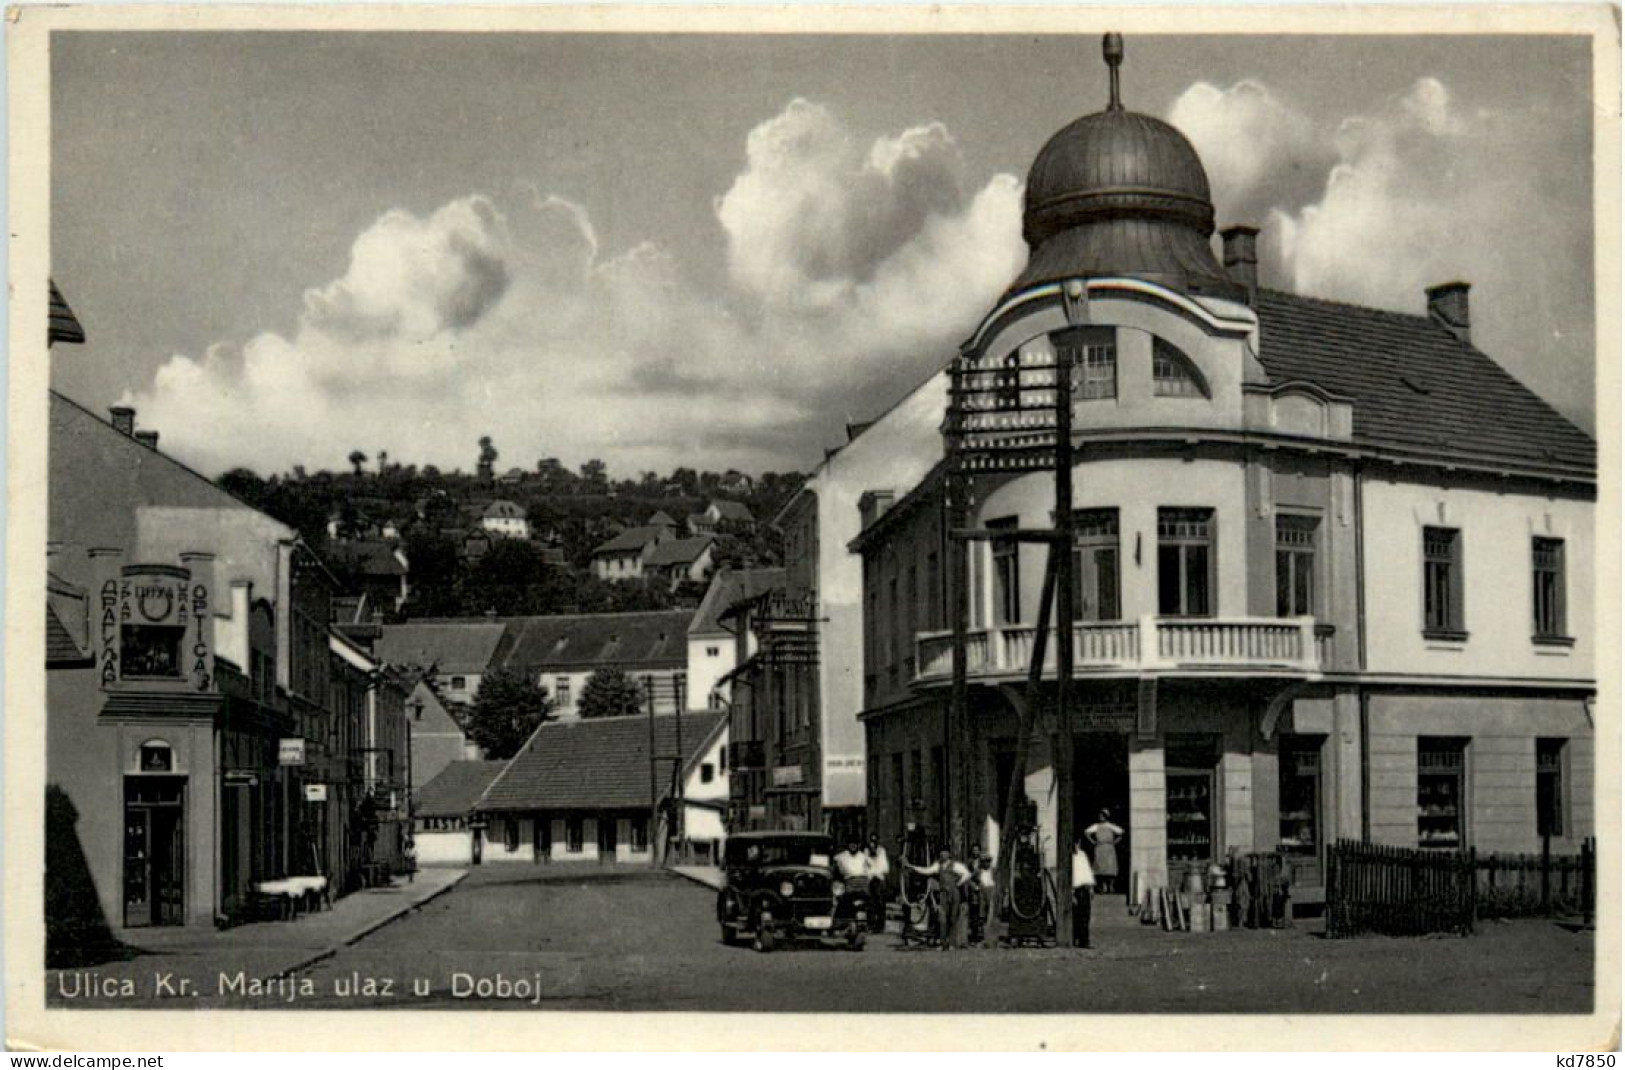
<point x="505" y="518"/>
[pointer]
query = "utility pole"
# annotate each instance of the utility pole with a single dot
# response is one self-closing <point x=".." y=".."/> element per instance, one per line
<point x="1069" y="352"/>
<point x="654" y="787"/>
<point x="954" y="729"/>
<point x="678" y="682"/>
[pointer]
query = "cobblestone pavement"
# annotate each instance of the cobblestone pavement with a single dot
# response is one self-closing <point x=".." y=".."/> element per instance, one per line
<point x="598" y="939"/>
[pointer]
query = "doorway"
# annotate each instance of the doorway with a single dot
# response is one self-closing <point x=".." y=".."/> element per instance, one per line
<point x="1100" y="782"/>
<point x="154" y="851"/>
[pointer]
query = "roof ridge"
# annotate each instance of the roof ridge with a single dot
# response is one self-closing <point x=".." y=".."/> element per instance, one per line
<point x="1420" y="317"/>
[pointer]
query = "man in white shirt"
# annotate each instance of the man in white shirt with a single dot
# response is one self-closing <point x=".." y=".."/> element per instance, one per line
<point x="950" y="877"/>
<point x="1083" y="896"/>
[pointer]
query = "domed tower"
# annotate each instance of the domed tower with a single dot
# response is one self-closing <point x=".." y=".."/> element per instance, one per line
<point x="1122" y="194"/>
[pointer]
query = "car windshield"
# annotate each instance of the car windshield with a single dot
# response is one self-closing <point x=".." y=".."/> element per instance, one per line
<point x="783" y="853"/>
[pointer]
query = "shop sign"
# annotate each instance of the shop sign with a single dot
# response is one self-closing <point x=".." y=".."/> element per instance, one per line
<point x="291" y="750"/>
<point x="154" y="627"/>
<point x="786" y="776"/>
<point x="834" y="765"/>
<point x="316" y="793"/>
<point x="1106" y="718"/>
<point x="241" y="776"/>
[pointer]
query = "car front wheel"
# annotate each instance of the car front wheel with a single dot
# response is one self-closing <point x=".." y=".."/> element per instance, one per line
<point x="765" y="941"/>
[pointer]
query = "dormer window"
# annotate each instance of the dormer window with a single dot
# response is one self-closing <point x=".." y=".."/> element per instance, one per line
<point x="1172" y="373"/>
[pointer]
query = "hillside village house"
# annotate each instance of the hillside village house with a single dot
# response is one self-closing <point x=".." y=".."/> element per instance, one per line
<point x="1332" y="564"/>
<point x="562" y="652"/>
<point x="713" y="652"/>
<point x="377" y="568"/>
<point x="588" y="791"/>
<point x="718" y="512"/>
<point x="505" y="518"/>
<point x="680" y="561"/>
<point x="456" y="653"/>
<point x="623" y="557"/>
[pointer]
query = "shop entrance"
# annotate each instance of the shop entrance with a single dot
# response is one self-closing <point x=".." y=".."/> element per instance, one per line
<point x="154" y="851"/>
<point x="1100" y="782"/>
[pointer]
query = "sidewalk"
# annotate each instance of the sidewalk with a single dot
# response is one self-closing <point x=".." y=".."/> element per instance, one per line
<point x="710" y="876"/>
<point x="270" y="948"/>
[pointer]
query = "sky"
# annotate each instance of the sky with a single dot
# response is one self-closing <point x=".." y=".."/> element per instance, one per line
<point x="715" y="251"/>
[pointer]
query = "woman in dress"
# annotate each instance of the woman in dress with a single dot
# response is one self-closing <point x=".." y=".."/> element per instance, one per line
<point x="1104" y="835"/>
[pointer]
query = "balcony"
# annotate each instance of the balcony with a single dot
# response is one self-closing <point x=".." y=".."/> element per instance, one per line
<point x="1264" y="646"/>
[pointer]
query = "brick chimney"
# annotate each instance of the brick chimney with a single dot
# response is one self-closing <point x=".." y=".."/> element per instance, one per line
<point x="148" y="439"/>
<point x="123" y="419"/>
<point x="1447" y="306"/>
<point x="1241" y="257"/>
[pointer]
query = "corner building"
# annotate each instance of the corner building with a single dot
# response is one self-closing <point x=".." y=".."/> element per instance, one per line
<point x="1332" y="564"/>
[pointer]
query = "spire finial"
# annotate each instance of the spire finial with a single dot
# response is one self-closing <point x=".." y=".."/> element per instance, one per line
<point x="1112" y="48"/>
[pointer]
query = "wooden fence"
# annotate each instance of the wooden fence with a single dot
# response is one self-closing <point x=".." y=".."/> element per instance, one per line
<point x="1398" y="891"/>
<point x="1529" y="885"/>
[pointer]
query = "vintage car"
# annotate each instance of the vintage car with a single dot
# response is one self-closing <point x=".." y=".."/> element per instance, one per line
<point x="781" y="888"/>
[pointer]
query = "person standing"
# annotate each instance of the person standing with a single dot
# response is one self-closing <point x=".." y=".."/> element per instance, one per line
<point x="1083" y="895"/>
<point x="878" y="868"/>
<point x="950" y="878"/>
<point x="982" y="890"/>
<point x="1104" y="836"/>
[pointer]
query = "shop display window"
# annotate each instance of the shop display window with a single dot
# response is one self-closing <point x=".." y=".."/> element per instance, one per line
<point x="1441" y="792"/>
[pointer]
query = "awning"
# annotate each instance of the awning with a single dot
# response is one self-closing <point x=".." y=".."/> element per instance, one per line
<point x="163" y="705"/>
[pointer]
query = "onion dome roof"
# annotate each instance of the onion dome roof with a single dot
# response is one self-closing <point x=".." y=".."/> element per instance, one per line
<point x="1120" y="193"/>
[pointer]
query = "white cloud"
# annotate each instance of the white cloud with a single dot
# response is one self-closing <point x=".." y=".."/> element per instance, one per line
<point x="1376" y="207"/>
<point x="853" y="271"/>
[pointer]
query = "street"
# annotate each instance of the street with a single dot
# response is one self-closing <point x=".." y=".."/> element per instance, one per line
<point x="598" y="939"/>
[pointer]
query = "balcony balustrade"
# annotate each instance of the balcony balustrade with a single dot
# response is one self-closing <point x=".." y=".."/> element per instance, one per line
<point x="1224" y="645"/>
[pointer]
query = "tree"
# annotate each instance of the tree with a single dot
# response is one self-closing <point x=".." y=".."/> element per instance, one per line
<point x="357" y="459"/>
<point x="610" y="693"/>
<point x="507" y="709"/>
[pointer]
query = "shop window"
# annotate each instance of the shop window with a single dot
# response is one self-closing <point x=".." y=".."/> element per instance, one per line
<point x="574" y="836"/>
<point x="1172" y="373"/>
<point x="1094" y="565"/>
<point x="1185" y="562"/>
<point x="510" y="834"/>
<point x="1300" y="796"/>
<point x="1549" y="589"/>
<point x="150" y="651"/>
<point x="1295" y="539"/>
<point x="1191" y="769"/>
<point x="1441" y="792"/>
<point x="1441" y="583"/>
<point x="1550" y="803"/>
<point x="638" y="831"/>
<point x="1006" y="571"/>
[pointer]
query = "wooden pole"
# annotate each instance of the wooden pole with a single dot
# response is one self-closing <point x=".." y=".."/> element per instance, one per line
<point x="1026" y="720"/>
<point x="654" y="788"/>
<point x="954" y="727"/>
<point x="1062" y="758"/>
<point x="678" y="685"/>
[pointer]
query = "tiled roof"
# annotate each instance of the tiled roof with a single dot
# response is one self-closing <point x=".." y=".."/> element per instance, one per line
<point x="727" y="510"/>
<point x="660" y="519"/>
<point x="368" y="557"/>
<point x="451" y="646"/>
<point x="632" y="540"/>
<point x="657" y="639"/>
<point x="504" y="510"/>
<point x="728" y="587"/>
<point x="1414" y="385"/>
<point x="598" y="764"/>
<point x="677" y="551"/>
<point x="64" y="325"/>
<point x="456" y="788"/>
<point x="67" y="622"/>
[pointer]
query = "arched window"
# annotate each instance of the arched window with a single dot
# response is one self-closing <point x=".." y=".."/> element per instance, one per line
<point x="1172" y="373"/>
